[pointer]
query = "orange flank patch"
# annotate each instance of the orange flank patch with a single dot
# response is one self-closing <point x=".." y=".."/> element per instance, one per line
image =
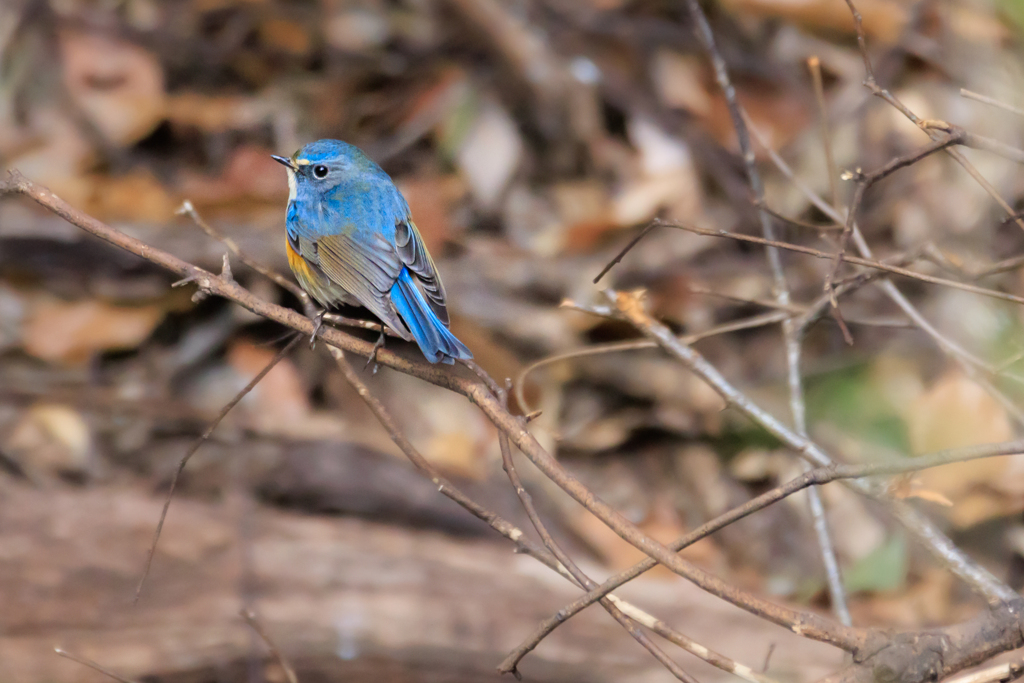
<point x="300" y="267"/>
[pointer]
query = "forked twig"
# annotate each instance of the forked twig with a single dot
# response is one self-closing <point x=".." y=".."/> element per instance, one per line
<point x="866" y="180"/>
<point x="623" y="612"/>
<point x="871" y="84"/>
<point x="510" y="665"/>
<point x="995" y="591"/>
<point x="188" y="209"/>
<point x="496" y="522"/>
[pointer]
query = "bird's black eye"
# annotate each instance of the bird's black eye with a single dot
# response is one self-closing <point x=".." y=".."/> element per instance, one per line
<point x="320" y="171"/>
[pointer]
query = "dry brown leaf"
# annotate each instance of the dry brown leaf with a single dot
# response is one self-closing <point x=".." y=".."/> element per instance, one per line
<point x="929" y="600"/>
<point x="531" y="221"/>
<point x="280" y="402"/>
<point x="357" y="29"/>
<point x="662" y="524"/>
<point x="249" y="174"/>
<point x="72" y="332"/>
<point x="583" y="210"/>
<point x="430" y="200"/>
<point x="631" y="303"/>
<point x="899" y="381"/>
<point x="215" y="113"/>
<point x="856" y="530"/>
<point x="957" y="412"/>
<point x="117" y="84"/>
<point x="883" y="19"/>
<point x="642" y="199"/>
<point x="681" y="81"/>
<point x="49" y="440"/>
<point x="137" y="197"/>
<point x="429" y="107"/>
<point x="667" y="178"/>
<point x="54" y="153"/>
<point x="286" y="36"/>
<point x="975" y="26"/>
<point x="779" y="116"/>
<point x="490" y="153"/>
<point x="458" y="438"/>
<point x="908" y="487"/>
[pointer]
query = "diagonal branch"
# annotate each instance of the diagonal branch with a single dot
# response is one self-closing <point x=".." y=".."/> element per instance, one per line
<point x="995" y="591"/>
<point x="818" y="476"/>
<point x="579" y="577"/>
<point x="552" y="556"/>
<point x="864" y="643"/>
<point x="808" y="624"/>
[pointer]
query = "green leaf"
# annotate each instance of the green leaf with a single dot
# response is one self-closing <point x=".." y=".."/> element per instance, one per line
<point x="885" y="569"/>
<point x="850" y="400"/>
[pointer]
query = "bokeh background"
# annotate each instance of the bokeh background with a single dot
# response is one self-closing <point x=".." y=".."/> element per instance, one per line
<point x="532" y="139"/>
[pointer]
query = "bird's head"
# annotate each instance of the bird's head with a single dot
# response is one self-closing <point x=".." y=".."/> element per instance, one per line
<point x="322" y="164"/>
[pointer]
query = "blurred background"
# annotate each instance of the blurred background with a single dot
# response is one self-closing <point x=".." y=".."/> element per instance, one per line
<point x="532" y="139"/>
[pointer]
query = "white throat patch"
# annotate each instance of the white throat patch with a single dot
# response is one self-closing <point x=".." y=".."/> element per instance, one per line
<point x="292" y="185"/>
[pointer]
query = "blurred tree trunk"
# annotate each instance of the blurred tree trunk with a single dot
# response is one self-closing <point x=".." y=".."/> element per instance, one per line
<point x="343" y="598"/>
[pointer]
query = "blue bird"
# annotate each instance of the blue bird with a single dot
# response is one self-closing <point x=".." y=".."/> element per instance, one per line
<point x="351" y="240"/>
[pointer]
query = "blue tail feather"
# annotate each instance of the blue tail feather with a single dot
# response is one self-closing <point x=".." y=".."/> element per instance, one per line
<point x="434" y="339"/>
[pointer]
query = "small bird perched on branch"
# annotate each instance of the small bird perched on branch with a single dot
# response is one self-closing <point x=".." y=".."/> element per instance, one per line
<point x="351" y="240"/>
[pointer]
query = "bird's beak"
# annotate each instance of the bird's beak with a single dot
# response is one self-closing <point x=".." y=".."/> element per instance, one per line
<point x="286" y="161"/>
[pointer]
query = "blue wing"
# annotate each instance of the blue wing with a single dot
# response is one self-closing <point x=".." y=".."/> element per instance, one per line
<point x="431" y="334"/>
<point x="397" y="281"/>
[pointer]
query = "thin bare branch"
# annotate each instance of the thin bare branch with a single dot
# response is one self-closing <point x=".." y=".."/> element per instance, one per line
<point x="855" y="260"/>
<point x="1000" y="673"/>
<point x="814" y="66"/>
<point x="927" y="126"/>
<point x="257" y="626"/>
<point x="553" y="556"/>
<point x="92" y="665"/>
<point x="635" y="345"/>
<point x="625" y="250"/>
<point x="187" y="209"/>
<point x="496" y="522"/>
<point x="195" y="447"/>
<point x="964" y="92"/>
<point x="967" y="360"/>
<point x="866" y="180"/>
<point x="511" y="663"/>
<point x="865" y="642"/>
<point x="995" y="591"/>
<point x="794" y="338"/>
<point x="818" y="476"/>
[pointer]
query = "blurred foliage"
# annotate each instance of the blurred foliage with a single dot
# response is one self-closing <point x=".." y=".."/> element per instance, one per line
<point x="532" y="139"/>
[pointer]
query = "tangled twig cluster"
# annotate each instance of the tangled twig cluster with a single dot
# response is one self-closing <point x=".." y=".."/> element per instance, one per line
<point x="909" y="657"/>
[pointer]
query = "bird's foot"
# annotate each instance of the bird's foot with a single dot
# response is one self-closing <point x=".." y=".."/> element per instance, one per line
<point x="377" y="346"/>
<point x="318" y="322"/>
